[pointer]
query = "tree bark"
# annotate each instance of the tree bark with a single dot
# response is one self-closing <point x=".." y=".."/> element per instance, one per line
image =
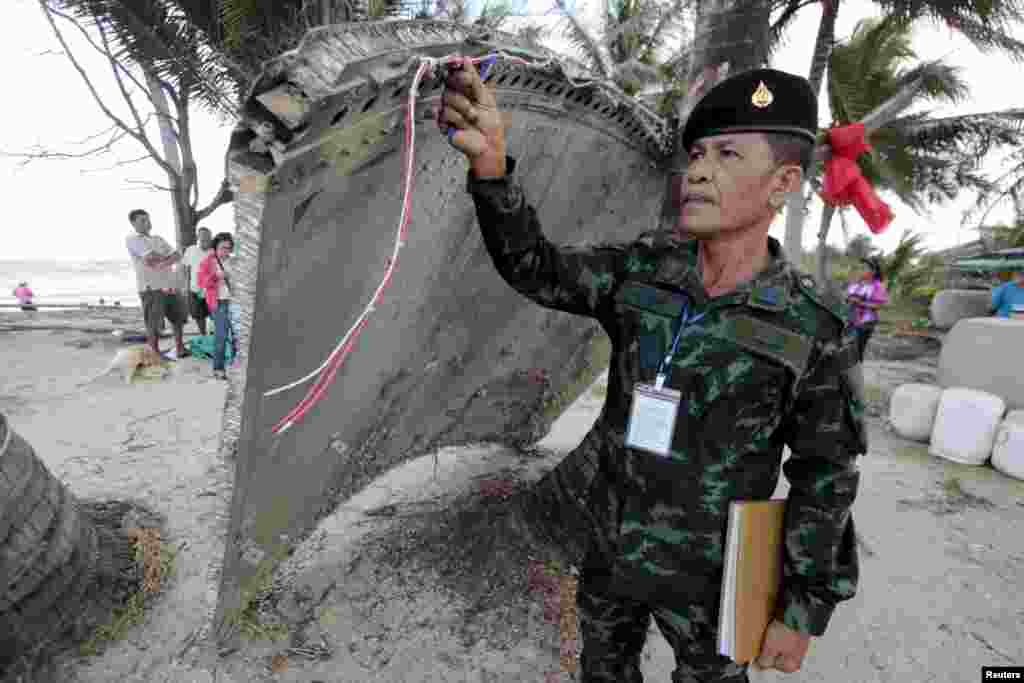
<point x="796" y="205"/>
<point x="731" y="36"/>
<point x="61" y="568"/>
<point x="184" y="232"/>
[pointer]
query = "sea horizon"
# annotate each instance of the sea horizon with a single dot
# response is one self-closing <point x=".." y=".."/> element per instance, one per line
<point x="71" y="283"/>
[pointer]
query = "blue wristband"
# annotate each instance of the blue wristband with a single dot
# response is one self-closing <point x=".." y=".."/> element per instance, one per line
<point x="486" y="65"/>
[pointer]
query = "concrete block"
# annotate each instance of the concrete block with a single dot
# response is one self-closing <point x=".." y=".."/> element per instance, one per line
<point x="985" y="354"/>
<point x="952" y="305"/>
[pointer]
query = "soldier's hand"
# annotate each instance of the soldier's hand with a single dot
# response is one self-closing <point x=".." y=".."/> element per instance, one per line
<point x="784" y="649"/>
<point x="469" y="110"/>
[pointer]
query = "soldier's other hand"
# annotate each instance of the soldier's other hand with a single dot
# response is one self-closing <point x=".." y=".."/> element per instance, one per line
<point x="469" y="116"/>
<point x="784" y="649"/>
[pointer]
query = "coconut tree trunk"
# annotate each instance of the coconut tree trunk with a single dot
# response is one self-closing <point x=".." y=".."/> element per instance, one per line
<point x="172" y="155"/>
<point x="53" y="556"/>
<point x="731" y="36"/>
<point x="796" y="206"/>
<point x="826" y="221"/>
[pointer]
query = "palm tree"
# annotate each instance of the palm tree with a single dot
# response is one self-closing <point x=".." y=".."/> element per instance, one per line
<point x="64" y="565"/>
<point x="922" y="160"/>
<point x="988" y="24"/>
<point x="863" y="73"/>
<point x="624" y="48"/>
<point x="152" y="49"/>
<point x="900" y="262"/>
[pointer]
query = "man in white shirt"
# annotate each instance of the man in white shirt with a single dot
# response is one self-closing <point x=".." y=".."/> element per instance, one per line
<point x="157" y="281"/>
<point x="194" y="255"/>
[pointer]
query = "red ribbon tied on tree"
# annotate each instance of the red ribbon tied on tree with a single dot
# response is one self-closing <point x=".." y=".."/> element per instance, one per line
<point x="844" y="184"/>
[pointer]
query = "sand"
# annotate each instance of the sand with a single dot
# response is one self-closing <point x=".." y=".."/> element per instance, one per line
<point x="153" y="440"/>
<point x="941" y="561"/>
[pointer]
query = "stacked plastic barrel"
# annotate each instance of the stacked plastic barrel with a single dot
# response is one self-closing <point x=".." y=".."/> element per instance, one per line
<point x="963" y="425"/>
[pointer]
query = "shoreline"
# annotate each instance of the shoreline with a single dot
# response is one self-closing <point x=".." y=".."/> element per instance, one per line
<point x="93" y="320"/>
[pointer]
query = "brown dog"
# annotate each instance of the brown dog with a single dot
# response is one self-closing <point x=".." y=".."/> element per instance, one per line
<point x="128" y="361"/>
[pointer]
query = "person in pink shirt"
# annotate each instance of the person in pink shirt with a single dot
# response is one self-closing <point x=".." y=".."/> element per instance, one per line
<point x="215" y="277"/>
<point x="865" y="297"/>
<point x="24" y="296"/>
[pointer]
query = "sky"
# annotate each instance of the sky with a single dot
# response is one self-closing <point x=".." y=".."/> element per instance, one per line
<point x="77" y="210"/>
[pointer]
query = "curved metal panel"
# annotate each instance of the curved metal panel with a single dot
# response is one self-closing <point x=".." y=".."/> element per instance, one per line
<point x="452" y="354"/>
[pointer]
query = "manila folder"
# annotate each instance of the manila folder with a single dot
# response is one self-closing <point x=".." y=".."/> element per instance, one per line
<point x="752" y="576"/>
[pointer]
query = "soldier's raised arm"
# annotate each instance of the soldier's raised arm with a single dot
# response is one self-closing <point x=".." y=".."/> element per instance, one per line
<point x="575" y="280"/>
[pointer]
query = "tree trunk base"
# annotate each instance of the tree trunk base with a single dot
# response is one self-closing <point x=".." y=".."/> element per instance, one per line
<point x="113" y="577"/>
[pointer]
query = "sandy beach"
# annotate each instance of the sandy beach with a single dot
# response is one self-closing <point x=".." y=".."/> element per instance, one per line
<point x="941" y="558"/>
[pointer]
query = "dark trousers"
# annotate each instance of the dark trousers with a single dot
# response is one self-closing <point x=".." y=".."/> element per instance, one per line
<point x="613" y="630"/>
<point x="222" y="335"/>
<point x="863" y="333"/>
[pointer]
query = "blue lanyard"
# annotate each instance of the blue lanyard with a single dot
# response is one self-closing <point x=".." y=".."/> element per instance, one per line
<point x="685" y="319"/>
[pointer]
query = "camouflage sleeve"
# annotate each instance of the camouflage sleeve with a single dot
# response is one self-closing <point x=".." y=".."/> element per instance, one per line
<point x="571" y="279"/>
<point x="825" y="432"/>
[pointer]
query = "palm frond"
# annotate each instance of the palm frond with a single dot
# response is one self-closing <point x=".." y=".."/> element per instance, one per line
<point x="671" y="20"/>
<point x="580" y="37"/>
<point x="939" y="81"/>
<point x="988" y="24"/>
<point x="778" y="30"/>
<point x="903" y="256"/>
<point x="233" y="18"/>
<point x="157" y="36"/>
<point x="630" y="20"/>
<point x="638" y="72"/>
<point x="970" y="135"/>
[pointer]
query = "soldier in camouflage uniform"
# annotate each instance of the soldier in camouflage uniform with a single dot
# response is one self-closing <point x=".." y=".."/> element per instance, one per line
<point x="759" y="362"/>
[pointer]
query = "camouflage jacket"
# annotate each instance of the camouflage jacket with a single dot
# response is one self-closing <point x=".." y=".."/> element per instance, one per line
<point x="768" y="365"/>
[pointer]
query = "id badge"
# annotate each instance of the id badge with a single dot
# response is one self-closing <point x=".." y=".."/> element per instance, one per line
<point x="652" y="419"/>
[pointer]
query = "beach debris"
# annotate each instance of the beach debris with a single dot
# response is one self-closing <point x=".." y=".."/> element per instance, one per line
<point x="278" y="663"/>
<point x="147" y="542"/>
<point x="151" y="416"/>
<point x="538" y="375"/>
<point x="558" y="590"/>
<point x="497" y="488"/>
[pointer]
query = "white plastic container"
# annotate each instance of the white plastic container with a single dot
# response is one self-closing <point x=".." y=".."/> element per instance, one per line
<point x="1008" y="451"/>
<point x="966" y="425"/>
<point x="912" y="410"/>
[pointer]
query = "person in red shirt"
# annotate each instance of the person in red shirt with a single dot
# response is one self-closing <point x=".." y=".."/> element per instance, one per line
<point x="215" y="278"/>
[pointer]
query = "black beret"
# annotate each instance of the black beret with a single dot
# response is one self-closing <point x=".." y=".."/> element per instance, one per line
<point x="763" y="100"/>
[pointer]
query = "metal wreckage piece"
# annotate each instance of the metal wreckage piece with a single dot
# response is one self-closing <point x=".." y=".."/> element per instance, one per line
<point x="451" y="354"/>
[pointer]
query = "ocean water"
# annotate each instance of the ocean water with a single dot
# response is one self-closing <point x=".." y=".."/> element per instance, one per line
<point x="71" y="283"/>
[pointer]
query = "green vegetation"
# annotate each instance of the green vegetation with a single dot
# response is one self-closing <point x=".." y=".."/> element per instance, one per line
<point x="255" y="592"/>
<point x="129" y="614"/>
<point x="597" y="354"/>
